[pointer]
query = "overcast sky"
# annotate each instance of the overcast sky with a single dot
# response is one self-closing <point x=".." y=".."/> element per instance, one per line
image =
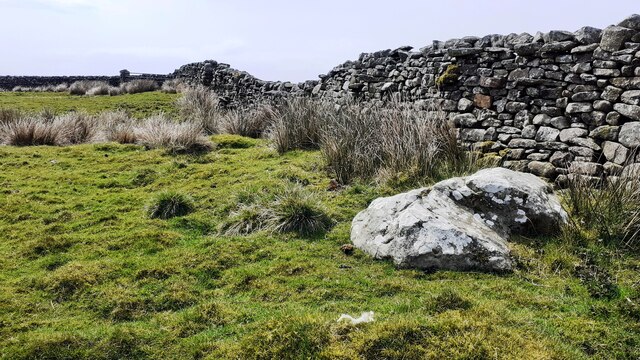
<point x="274" y="40"/>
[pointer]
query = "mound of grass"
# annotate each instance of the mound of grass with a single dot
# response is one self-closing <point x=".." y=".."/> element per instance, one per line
<point x="297" y="210"/>
<point x="170" y="204"/>
<point x="228" y="141"/>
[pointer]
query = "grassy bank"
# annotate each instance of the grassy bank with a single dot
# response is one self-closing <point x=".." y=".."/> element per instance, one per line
<point x="87" y="274"/>
<point x="91" y="267"/>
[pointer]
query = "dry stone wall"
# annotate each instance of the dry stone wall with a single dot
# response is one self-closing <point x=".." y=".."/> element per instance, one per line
<point x="554" y="104"/>
<point x="11" y="82"/>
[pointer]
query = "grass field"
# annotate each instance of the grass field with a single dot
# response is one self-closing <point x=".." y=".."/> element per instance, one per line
<point x="86" y="274"/>
<point x="139" y="105"/>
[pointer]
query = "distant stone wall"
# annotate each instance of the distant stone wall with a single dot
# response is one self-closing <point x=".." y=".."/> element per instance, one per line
<point x="238" y="87"/>
<point x="10" y="82"/>
<point x="554" y="104"/>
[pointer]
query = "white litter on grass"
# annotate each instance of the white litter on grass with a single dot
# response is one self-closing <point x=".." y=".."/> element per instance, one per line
<point x="366" y="317"/>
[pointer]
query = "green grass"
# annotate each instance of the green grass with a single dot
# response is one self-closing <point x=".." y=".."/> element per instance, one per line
<point x="86" y="274"/>
<point x="139" y="105"/>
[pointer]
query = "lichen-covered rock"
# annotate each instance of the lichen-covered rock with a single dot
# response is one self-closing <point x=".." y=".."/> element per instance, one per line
<point x="630" y="135"/>
<point x="614" y="37"/>
<point x="460" y="223"/>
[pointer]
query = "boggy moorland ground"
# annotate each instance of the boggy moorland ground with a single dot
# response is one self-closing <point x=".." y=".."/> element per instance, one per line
<point x="85" y="273"/>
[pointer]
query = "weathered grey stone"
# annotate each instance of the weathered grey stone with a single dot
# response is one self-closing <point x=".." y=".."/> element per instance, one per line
<point x="602" y="105"/>
<point x="630" y="135"/>
<point x="462" y="52"/>
<point x="508" y="130"/>
<point x="593" y="119"/>
<point x="518" y="74"/>
<point x="606" y="72"/>
<point x="605" y="132"/>
<point x="465" y="104"/>
<point x="613" y="37"/>
<point x="586" y="168"/>
<point x="472" y="135"/>
<point x="527" y="49"/>
<point x="588" y="35"/>
<point x="586" y="96"/>
<point x="557" y="35"/>
<point x="585" y="48"/>
<point x="630" y="111"/>
<point x="529" y="132"/>
<point x="631" y="97"/>
<point x="611" y="93"/>
<point x="581" y="68"/>
<point x="632" y="22"/>
<point x="514" y="107"/>
<point x="560" y="122"/>
<point x="583" y="154"/>
<point x="522" y="143"/>
<point x="613" y="118"/>
<point x="626" y="83"/>
<point x="605" y="64"/>
<point x="561" y="159"/>
<point x="576" y="108"/>
<point x="538" y="156"/>
<point x="585" y="142"/>
<point x="492" y="82"/>
<point x="543" y="169"/>
<point x="558" y="47"/>
<point x="465" y="120"/>
<point x="541" y="119"/>
<point x="458" y="224"/>
<point x="515" y="154"/>
<point x="615" y="152"/>
<point x="547" y="134"/>
<point x="568" y="134"/>
<point x="552" y="145"/>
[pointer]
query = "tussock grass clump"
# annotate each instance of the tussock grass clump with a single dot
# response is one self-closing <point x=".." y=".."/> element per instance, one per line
<point x="118" y="127"/>
<point x="139" y="86"/>
<point x="84" y="86"/>
<point x="32" y="131"/>
<point x="253" y="122"/>
<point x="99" y="90"/>
<point x="173" y="86"/>
<point x="383" y="141"/>
<point x="77" y="128"/>
<point x="170" y="204"/>
<point x="45" y="88"/>
<point x="245" y="220"/>
<point x="608" y="210"/>
<point x="291" y="209"/>
<point x="201" y="105"/>
<point x="298" y="210"/>
<point x="177" y="138"/>
<point x="9" y="115"/>
<point x="390" y="142"/>
<point x="297" y="124"/>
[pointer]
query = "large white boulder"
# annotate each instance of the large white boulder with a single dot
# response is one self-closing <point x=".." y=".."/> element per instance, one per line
<point x="459" y="224"/>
